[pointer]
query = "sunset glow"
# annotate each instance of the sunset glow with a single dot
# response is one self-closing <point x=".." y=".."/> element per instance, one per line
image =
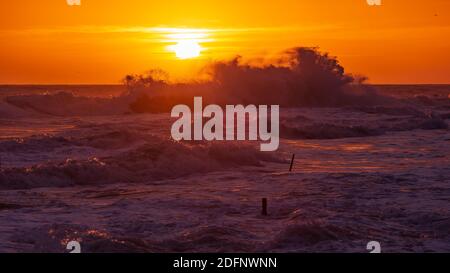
<point x="198" y="133"/>
<point x="49" y="41"/>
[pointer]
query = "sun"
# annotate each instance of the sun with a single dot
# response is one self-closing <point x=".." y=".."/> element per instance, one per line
<point x="185" y="42"/>
<point x="187" y="49"/>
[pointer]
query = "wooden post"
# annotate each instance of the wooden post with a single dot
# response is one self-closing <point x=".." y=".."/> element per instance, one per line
<point x="264" y="207"/>
<point x="292" y="162"/>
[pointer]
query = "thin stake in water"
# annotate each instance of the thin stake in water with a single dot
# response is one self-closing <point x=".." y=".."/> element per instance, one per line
<point x="292" y="162"/>
<point x="264" y="207"/>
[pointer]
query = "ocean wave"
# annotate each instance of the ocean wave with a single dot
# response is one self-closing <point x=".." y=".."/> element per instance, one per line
<point x="398" y="110"/>
<point x="328" y="130"/>
<point x="62" y="104"/>
<point x="34" y="144"/>
<point x="55" y="238"/>
<point x="303" y="234"/>
<point x="156" y="160"/>
<point x="10" y="111"/>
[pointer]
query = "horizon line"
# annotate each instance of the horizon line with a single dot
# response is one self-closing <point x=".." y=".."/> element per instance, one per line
<point x="118" y="84"/>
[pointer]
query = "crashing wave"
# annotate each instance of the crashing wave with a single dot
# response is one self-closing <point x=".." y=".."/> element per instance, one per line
<point x="156" y="160"/>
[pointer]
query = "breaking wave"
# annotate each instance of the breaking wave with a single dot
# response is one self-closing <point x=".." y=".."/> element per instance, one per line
<point x="301" y="77"/>
<point x="61" y="104"/>
<point x="157" y="159"/>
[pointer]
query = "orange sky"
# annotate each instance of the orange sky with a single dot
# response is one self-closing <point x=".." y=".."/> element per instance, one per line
<point x="47" y="41"/>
